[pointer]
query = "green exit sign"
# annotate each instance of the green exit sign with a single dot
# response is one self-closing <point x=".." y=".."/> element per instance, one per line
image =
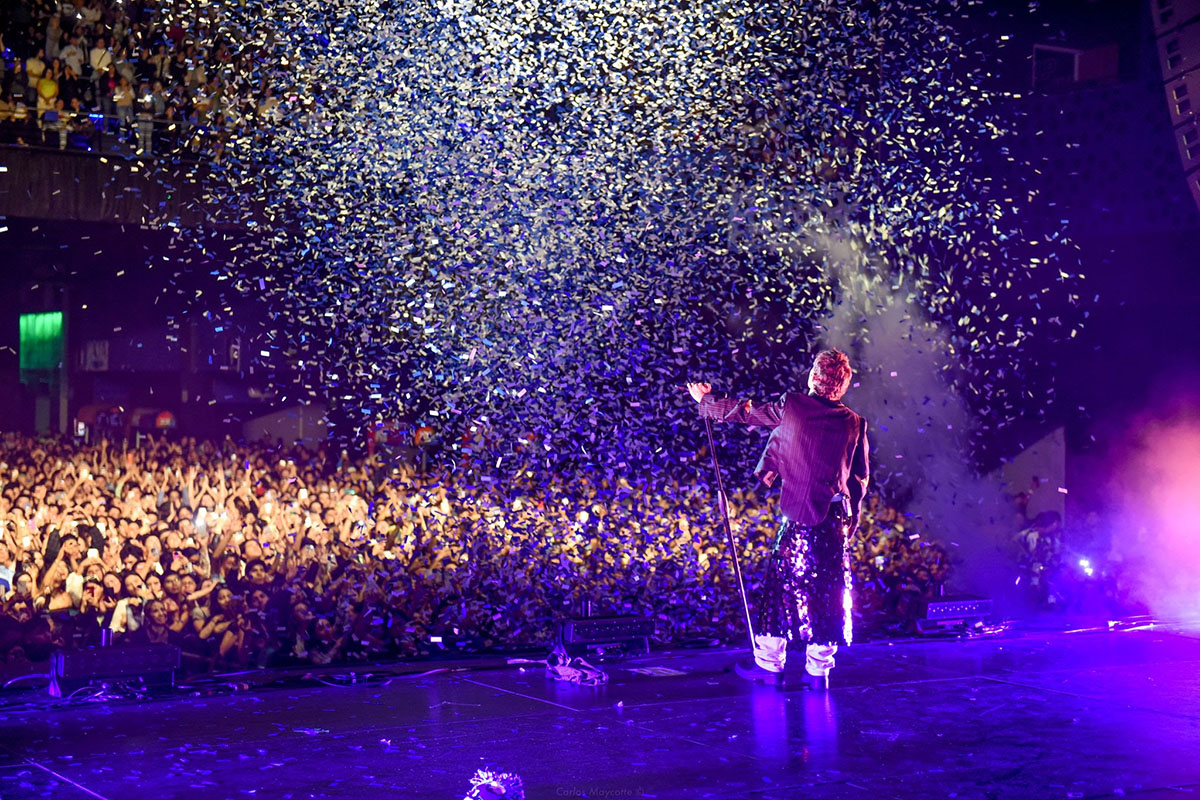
<point x="41" y="340"/>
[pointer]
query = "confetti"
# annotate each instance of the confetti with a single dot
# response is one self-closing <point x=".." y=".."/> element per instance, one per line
<point x="543" y="218"/>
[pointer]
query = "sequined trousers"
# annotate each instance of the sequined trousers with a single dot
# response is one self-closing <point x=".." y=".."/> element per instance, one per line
<point x="805" y="597"/>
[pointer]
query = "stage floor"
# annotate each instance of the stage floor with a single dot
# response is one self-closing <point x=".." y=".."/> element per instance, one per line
<point x="1035" y="713"/>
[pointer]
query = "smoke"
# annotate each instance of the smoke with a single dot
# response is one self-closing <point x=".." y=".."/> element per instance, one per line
<point x="921" y="426"/>
<point x="1157" y="539"/>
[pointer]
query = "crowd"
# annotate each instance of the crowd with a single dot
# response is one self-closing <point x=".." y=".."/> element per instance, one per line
<point x="251" y="555"/>
<point x="154" y="76"/>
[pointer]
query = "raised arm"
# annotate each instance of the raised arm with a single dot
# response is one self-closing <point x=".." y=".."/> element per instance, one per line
<point x="729" y="409"/>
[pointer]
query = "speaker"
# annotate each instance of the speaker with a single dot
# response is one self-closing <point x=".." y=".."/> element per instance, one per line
<point x="1177" y="26"/>
<point x="1179" y="50"/>
<point x="1170" y="14"/>
<point x="153" y="664"/>
<point x="1183" y="97"/>
<point x="607" y="635"/>
<point x="1187" y="139"/>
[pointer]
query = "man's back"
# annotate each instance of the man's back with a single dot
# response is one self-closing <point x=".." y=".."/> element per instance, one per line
<point x="813" y="451"/>
<point x="817" y="449"/>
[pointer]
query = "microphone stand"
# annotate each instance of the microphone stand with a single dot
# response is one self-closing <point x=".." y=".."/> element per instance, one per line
<point x="724" y="506"/>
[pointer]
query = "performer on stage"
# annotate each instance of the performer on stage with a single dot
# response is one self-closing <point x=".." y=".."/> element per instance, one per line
<point x="817" y="451"/>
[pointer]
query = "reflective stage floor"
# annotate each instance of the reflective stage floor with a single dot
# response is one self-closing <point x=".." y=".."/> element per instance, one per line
<point x="1034" y="713"/>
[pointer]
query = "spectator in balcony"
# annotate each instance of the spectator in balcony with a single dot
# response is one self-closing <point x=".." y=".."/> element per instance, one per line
<point x="19" y="83"/>
<point x="100" y="58"/>
<point x="161" y="60"/>
<point x="197" y="74"/>
<point x="23" y="88"/>
<point x="54" y="36"/>
<point x="76" y="117"/>
<point x="106" y="87"/>
<point x="178" y="68"/>
<point x="91" y="14"/>
<point x="202" y="105"/>
<point x="35" y="66"/>
<point x="118" y="22"/>
<point x="166" y="132"/>
<point x="55" y="126"/>
<point x="124" y="65"/>
<point x="71" y="87"/>
<point x="145" y="124"/>
<point x="20" y="118"/>
<point x="47" y="89"/>
<point x="73" y="55"/>
<point x="158" y="107"/>
<point x="175" y="34"/>
<point x="143" y="68"/>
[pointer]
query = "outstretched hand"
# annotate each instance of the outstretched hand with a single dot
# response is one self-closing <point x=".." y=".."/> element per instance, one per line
<point x="698" y="390"/>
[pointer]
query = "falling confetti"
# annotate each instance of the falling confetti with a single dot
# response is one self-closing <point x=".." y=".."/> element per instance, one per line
<point x="525" y="226"/>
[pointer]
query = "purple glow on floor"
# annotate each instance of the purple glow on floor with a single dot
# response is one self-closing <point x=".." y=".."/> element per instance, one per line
<point x="1034" y="712"/>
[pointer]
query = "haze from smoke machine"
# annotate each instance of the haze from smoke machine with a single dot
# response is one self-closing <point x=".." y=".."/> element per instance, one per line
<point x="1157" y="482"/>
<point x="921" y="427"/>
